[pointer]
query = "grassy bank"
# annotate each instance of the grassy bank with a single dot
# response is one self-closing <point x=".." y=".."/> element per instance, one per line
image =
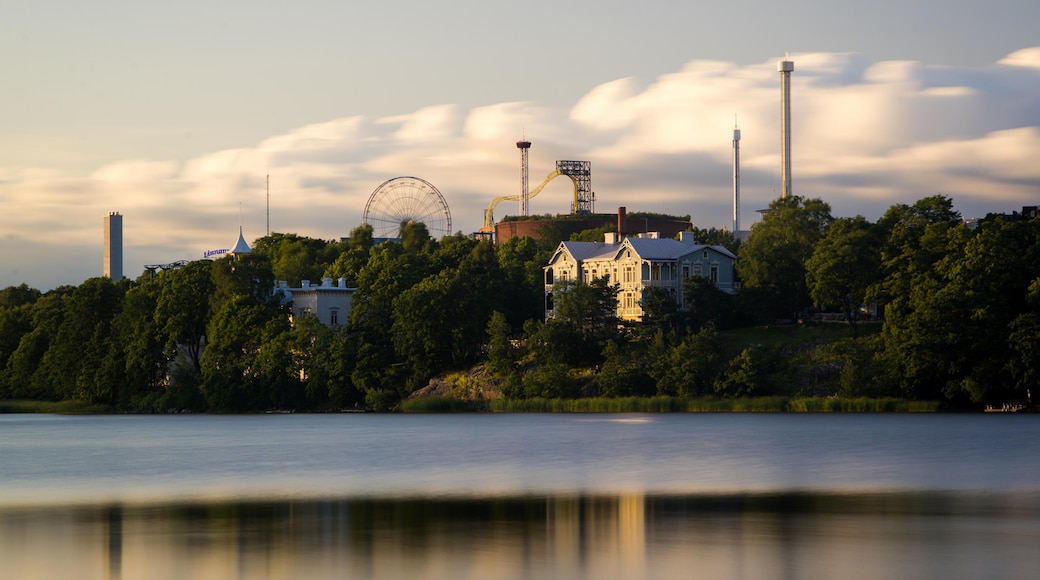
<point x="54" y="407"/>
<point x="672" y="405"/>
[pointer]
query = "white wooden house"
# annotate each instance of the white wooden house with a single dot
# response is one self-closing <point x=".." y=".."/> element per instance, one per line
<point x="637" y="263"/>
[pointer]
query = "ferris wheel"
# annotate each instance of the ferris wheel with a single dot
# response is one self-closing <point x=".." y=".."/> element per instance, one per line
<point x="402" y="200"/>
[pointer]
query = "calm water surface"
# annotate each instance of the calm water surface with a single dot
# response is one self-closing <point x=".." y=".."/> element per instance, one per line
<point x="520" y="496"/>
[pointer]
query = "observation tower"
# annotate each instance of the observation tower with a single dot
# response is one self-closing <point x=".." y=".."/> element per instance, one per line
<point x="785" y="67"/>
<point x="523" y="145"/>
<point x="736" y="181"/>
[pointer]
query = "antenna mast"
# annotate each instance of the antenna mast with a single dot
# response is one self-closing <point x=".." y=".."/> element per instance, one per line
<point x="268" y="204"/>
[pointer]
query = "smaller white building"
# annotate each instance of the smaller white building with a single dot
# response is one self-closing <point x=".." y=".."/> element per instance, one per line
<point x="330" y="303"/>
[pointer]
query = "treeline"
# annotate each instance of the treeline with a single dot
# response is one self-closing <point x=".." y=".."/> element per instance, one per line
<point x="960" y="322"/>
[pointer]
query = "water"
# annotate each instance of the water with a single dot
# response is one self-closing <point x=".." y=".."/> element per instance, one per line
<point x="520" y="496"/>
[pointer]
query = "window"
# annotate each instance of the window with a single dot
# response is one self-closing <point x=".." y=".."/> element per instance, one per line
<point x="705" y="254"/>
<point x="549" y="277"/>
<point x="697" y="269"/>
<point x="714" y="273"/>
<point x="686" y="271"/>
<point x="334" y="316"/>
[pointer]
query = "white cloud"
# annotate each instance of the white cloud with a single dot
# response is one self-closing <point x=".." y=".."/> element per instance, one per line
<point x="1027" y="57"/>
<point x="865" y="135"/>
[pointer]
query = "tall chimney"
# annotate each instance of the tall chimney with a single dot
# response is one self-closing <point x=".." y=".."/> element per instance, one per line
<point x="622" y="222"/>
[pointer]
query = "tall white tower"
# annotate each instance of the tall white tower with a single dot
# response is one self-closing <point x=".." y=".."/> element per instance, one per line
<point x="113" y="246"/>
<point x="785" y="67"/>
<point x="736" y="181"/>
<point x="523" y="145"/>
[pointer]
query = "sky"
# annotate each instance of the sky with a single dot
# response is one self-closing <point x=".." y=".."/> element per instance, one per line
<point x="174" y="114"/>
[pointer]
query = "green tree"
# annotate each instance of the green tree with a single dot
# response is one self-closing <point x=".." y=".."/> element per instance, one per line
<point x="772" y="262"/>
<point x="70" y="365"/>
<point x="136" y="363"/>
<point x="913" y="238"/>
<point x="378" y="371"/>
<point x="706" y="305"/>
<point x="660" y="311"/>
<point x="718" y="237"/>
<point x="742" y="376"/>
<point x="353" y="257"/>
<point x="232" y="367"/>
<point x="688" y="369"/>
<point x="590" y="309"/>
<point x="182" y="310"/>
<point x="522" y="289"/>
<point x="416" y="239"/>
<point x="21" y="374"/>
<point x="295" y="258"/>
<point x="1024" y="346"/>
<point x="502" y="355"/>
<point x="843" y="265"/>
<point x="956" y="330"/>
<point x="16" y="303"/>
<point x="624" y="371"/>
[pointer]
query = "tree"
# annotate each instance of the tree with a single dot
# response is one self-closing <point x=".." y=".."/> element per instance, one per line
<point x="522" y="288"/>
<point x="689" y="368"/>
<point x="71" y="362"/>
<point x="773" y="258"/>
<point x="137" y="360"/>
<point x="718" y="237"/>
<point x="913" y="238"/>
<point x="624" y="372"/>
<point x="21" y="373"/>
<point x="660" y="311"/>
<point x="706" y="305"/>
<point x="416" y="239"/>
<point x="294" y="258"/>
<point x="353" y="257"/>
<point x="741" y="377"/>
<point x="843" y="265"/>
<point x="1024" y="346"/>
<point x="379" y="372"/>
<point x="948" y="338"/>
<point x="182" y="310"/>
<point x="16" y="303"/>
<point x="234" y="378"/>
<point x="590" y="309"/>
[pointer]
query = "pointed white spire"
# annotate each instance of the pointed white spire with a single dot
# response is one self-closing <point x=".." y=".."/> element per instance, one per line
<point x="241" y="247"/>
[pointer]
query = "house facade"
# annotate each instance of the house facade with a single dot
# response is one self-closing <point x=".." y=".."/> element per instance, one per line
<point x="638" y="263"/>
<point x="331" y="303"/>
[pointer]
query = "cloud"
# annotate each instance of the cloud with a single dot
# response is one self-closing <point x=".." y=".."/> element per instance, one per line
<point x="866" y="135"/>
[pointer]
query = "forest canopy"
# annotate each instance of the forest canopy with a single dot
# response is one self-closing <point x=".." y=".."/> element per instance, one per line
<point x="932" y="310"/>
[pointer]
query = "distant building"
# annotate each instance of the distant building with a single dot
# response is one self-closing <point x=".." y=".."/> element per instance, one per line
<point x="330" y="303"/>
<point x="638" y="263"/>
<point x="564" y="226"/>
<point x="113" y="267"/>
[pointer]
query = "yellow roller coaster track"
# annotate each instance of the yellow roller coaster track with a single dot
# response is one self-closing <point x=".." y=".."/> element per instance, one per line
<point x="489" y="213"/>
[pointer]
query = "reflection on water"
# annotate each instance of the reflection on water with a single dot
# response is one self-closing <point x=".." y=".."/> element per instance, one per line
<point x="791" y="535"/>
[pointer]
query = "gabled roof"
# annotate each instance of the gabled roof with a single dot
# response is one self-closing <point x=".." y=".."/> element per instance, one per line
<point x="585" y="251"/>
<point x="669" y="249"/>
<point x="658" y="249"/>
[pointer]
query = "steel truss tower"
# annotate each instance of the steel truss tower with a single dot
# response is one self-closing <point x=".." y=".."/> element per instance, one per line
<point x="581" y="173"/>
